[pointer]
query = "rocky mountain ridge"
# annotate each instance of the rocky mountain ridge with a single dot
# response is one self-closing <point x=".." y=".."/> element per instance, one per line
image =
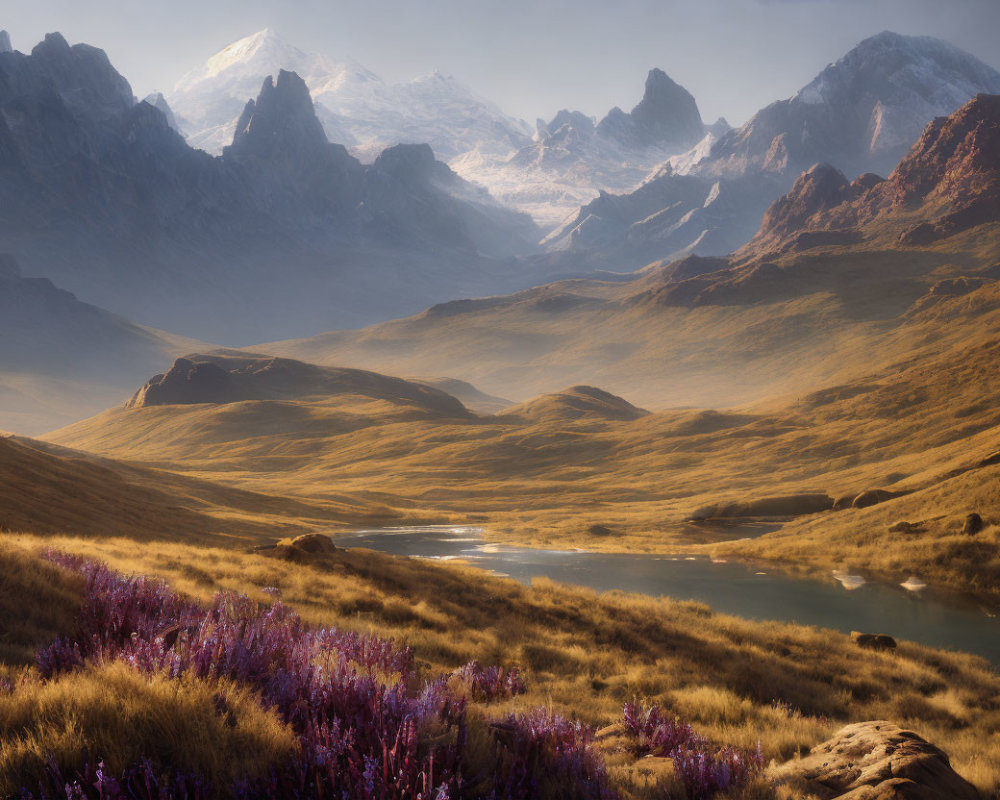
<point x="104" y="197"/>
<point x="860" y="114"/>
<point x="950" y="180"/>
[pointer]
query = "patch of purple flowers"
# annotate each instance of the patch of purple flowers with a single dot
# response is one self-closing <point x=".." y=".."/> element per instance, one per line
<point x="362" y="733"/>
<point x="542" y="754"/>
<point x="486" y="684"/>
<point x="704" y="770"/>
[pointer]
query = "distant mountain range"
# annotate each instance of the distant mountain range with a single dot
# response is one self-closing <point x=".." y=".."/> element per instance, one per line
<point x="573" y="157"/>
<point x="842" y="278"/>
<point x="283" y="231"/>
<point x="548" y="172"/>
<point x="860" y="114"/>
<point x="357" y="108"/>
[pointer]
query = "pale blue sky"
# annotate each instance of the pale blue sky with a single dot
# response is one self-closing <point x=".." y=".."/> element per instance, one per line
<point x="532" y="58"/>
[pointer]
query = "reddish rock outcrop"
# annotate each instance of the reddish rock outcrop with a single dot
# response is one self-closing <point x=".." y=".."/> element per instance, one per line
<point x="951" y="176"/>
<point x="875" y="761"/>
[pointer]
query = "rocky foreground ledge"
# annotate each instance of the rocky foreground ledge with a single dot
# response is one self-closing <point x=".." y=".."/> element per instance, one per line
<point x="875" y="761"/>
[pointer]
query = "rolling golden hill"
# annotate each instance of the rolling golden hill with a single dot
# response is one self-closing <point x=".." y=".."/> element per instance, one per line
<point x="857" y="358"/>
<point x="55" y="490"/>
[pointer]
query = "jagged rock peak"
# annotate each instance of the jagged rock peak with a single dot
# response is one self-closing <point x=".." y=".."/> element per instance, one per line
<point x="819" y="188"/>
<point x="282" y="116"/>
<point x="666" y="116"/>
<point x="575" y="119"/>
<point x="5" y="45"/>
<point x="84" y="77"/>
<point x="159" y="102"/>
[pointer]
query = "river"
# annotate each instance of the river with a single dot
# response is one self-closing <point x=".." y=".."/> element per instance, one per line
<point x="845" y="602"/>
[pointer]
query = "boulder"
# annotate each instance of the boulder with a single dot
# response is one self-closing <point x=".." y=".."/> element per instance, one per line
<point x="875" y="761"/>
<point x="973" y="524"/>
<point x="872" y="497"/>
<point x="873" y="641"/>
<point x="316" y="543"/>
<point x="600" y="530"/>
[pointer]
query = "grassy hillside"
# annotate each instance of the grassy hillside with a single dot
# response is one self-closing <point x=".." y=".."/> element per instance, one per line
<point x="583" y="654"/>
<point x="52" y="489"/>
<point x="546" y="471"/>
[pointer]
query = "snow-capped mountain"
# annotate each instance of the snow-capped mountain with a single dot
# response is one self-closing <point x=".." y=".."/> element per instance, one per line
<point x="549" y="175"/>
<point x="573" y="158"/>
<point x="282" y="232"/>
<point x="860" y="114"/>
<point x="357" y="108"/>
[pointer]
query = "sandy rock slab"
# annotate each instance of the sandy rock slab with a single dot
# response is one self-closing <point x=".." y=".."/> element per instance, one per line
<point x="875" y="761"/>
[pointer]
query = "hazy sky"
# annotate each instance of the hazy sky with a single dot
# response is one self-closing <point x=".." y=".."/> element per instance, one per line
<point x="532" y="58"/>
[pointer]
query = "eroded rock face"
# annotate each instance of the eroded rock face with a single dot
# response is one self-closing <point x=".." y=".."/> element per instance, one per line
<point x="875" y="761"/>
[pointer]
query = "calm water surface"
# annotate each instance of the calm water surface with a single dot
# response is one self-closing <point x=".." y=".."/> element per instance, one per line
<point x="729" y="587"/>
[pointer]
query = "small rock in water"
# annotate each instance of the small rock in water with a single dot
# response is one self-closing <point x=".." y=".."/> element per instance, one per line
<point x="849" y="581"/>
<point x="913" y="584"/>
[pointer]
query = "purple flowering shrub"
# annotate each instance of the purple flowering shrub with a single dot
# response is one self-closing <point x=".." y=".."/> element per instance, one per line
<point x="702" y="769"/>
<point x="542" y="754"/>
<point x="362" y="733"/>
<point x="485" y="684"/>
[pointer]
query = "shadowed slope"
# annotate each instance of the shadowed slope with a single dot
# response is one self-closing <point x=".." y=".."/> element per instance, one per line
<point x="50" y="489"/>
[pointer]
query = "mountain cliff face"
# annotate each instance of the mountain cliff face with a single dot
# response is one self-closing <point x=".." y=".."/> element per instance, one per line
<point x="949" y="182"/>
<point x="102" y="195"/>
<point x="860" y="114"/>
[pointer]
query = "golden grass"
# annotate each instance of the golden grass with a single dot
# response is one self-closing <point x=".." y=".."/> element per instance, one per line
<point x="920" y="426"/>
<point x="38" y="602"/>
<point x="114" y="713"/>
<point x="739" y="682"/>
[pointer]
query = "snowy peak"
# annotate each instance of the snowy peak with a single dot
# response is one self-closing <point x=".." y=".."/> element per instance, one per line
<point x="5" y="45"/>
<point x="893" y="84"/>
<point x="355" y="106"/>
<point x="861" y="113"/>
<point x="264" y="53"/>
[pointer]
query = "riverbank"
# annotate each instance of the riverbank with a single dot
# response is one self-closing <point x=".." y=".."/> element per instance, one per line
<point x="585" y="653"/>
